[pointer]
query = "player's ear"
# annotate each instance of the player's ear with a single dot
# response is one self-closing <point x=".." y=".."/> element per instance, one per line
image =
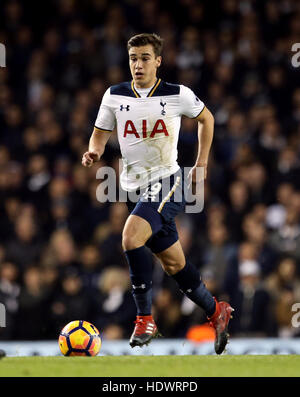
<point x="158" y="61"/>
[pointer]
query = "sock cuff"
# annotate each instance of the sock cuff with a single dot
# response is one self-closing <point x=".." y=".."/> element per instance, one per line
<point x="139" y="261"/>
<point x="134" y="250"/>
<point x="188" y="278"/>
<point x="144" y="317"/>
<point x="216" y="311"/>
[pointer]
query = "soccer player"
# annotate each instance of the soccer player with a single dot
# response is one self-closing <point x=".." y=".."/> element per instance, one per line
<point x="147" y="113"/>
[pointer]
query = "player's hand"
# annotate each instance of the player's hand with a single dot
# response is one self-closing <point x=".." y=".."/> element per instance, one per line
<point x="89" y="158"/>
<point x="198" y="173"/>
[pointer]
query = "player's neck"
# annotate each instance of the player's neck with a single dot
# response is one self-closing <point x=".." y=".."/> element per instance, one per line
<point x="145" y="85"/>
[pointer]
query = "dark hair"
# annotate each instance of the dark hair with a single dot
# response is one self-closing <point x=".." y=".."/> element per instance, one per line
<point x="142" y="39"/>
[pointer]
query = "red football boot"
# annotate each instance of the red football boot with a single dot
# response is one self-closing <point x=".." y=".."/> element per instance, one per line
<point x="144" y="331"/>
<point x="219" y="320"/>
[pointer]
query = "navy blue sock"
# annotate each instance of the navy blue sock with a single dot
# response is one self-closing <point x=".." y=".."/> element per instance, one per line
<point x="190" y="283"/>
<point x="141" y="269"/>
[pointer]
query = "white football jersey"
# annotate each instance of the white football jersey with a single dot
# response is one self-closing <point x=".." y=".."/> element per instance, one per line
<point x="147" y="127"/>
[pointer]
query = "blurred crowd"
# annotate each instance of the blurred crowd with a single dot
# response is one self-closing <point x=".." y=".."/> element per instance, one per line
<point x="60" y="248"/>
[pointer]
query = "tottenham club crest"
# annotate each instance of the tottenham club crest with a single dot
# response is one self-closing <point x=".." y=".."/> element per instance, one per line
<point x="163" y="112"/>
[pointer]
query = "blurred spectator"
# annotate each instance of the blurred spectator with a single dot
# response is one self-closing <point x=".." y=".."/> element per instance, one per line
<point x="9" y="296"/>
<point x="258" y="184"/>
<point x="286" y="240"/>
<point x="253" y="311"/>
<point x="31" y="144"/>
<point x="91" y="266"/>
<point x="31" y="312"/>
<point x="113" y="302"/>
<point x="25" y="247"/>
<point x="97" y="212"/>
<point x="50" y="281"/>
<point x="239" y="206"/>
<point x="288" y="166"/>
<point x="236" y="135"/>
<point x="284" y="286"/>
<point x="218" y="251"/>
<point x="247" y="252"/>
<point x="276" y="213"/>
<point x="37" y="180"/>
<point x="256" y="233"/>
<point x="189" y="55"/>
<point x="13" y="127"/>
<point x="270" y="143"/>
<point x="167" y="312"/>
<point x="12" y="207"/>
<point x="79" y="194"/>
<point x="70" y="303"/>
<point x="109" y="235"/>
<point x="62" y="218"/>
<point x="60" y="252"/>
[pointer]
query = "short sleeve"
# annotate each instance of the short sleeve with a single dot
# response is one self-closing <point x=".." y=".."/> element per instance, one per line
<point x="106" y="117"/>
<point x="190" y="105"/>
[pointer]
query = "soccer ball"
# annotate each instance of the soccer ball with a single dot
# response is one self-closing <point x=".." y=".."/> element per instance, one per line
<point x="79" y="338"/>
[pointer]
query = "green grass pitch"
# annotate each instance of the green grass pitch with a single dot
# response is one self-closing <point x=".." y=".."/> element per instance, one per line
<point x="126" y="366"/>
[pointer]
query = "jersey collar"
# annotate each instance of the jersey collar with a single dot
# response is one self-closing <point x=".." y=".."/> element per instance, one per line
<point x="151" y="92"/>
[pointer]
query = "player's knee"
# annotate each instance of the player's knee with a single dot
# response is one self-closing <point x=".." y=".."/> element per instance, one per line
<point x="131" y="241"/>
<point x="172" y="266"/>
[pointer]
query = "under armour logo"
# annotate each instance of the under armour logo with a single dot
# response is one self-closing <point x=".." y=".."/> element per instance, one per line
<point x="142" y="286"/>
<point x="124" y="107"/>
<point x="163" y="112"/>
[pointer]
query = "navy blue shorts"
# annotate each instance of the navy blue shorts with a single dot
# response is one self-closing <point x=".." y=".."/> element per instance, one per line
<point x="159" y="204"/>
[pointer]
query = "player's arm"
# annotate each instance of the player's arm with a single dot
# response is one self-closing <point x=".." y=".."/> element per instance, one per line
<point x="205" y="137"/>
<point x="98" y="141"/>
<point x="194" y="108"/>
<point x="104" y="125"/>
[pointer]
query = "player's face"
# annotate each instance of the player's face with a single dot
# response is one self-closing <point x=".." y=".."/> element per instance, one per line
<point x="143" y="65"/>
